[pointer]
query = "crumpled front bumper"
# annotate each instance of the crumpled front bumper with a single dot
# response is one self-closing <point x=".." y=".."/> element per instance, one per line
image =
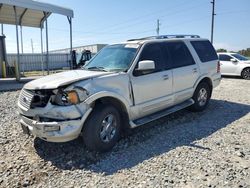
<point x="62" y="131"/>
<point x="58" y="129"/>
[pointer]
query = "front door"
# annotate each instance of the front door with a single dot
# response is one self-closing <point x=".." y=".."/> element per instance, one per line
<point x="152" y="90"/>
<point x="227" y="66"/>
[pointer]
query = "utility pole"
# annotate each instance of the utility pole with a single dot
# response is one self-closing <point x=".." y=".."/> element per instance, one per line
<point x="32" y="47"/>
<point x="212" y="27"/>
<point x="158" y="27"/>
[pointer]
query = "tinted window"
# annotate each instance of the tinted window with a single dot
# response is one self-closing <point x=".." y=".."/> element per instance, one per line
<point x="180" y="54"/>
<point x="205" y="50"/>
<point x="223" y="57"/>
<point x="153" y="52"/>
<point x="240" y="57"/>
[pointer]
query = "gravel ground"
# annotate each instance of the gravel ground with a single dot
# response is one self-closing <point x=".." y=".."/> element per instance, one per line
<point x="185" y="149"/>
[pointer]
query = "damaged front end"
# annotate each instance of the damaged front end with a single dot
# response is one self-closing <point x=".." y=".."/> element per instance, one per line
<point x="55" y="115"/>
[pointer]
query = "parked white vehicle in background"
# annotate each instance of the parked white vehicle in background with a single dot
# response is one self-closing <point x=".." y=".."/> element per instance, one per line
<point x="235" y="65"/>
<point x="124" y="86"/>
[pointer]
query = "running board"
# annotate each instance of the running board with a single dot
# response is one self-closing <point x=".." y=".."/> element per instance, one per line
<point x="160" y="114"/>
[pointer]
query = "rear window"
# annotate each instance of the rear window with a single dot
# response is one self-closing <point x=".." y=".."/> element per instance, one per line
<point x="205" y="50"/>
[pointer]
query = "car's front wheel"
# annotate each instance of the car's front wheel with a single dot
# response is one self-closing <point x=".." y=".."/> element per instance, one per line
<point x="102" y="129"/>
<point x="201" y="97"/>
<point x="246" y="73"/>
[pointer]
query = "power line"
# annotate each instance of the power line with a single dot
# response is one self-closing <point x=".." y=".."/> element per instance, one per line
<point x="136" y="22"/>
<point x="141" y="16"/>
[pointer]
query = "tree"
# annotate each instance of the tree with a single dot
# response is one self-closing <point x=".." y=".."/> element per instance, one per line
<point x="221" y="50"/>
<point x="245" y="52"/>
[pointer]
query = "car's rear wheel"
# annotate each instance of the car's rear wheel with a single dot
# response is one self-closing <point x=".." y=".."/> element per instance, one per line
<point x="201" y="97"/>
<point x="102" y="129"/>
<point x="246" y="73"/>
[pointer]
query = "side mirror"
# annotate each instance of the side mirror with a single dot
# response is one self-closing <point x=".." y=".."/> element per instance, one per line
<point x="233" y="60"/>
<point x="146" y="65"/>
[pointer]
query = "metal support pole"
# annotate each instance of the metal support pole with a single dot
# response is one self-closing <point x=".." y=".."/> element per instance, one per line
<point x="70" y="27"/>
<point x="212" y="26"/>
<point x="17" y="41"/>
<point x="158" y="27"/>
<point x="47" y="46"/>
<point x="2" y="29"/>
<point x="42" y="50"/>
<point x="21" y="33"/>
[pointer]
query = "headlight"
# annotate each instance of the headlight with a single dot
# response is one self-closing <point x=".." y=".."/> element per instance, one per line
<point x="71" y="97"/>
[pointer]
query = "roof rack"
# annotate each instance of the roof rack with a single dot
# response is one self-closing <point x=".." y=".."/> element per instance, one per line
<point x="166" y="37"/>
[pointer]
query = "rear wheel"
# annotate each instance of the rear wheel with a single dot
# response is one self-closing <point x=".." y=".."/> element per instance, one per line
<point x="201" y="97"/>
<point x="102" y="129"/>
<point x="246" y="73"/>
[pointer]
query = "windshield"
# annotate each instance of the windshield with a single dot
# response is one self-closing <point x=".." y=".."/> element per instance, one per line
<point x="113" y="58"/>
<point x="240" y="57"/>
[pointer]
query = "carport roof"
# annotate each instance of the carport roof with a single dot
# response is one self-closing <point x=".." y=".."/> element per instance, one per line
<point x="29" y="13"/>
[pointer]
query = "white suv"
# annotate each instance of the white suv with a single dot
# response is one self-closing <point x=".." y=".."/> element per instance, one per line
<point x="124" y="86"/>
<point x="235" y="65"/>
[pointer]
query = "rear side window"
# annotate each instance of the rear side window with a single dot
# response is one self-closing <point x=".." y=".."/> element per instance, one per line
<point x="205" y="50"/>
<point x="180" y="54"/>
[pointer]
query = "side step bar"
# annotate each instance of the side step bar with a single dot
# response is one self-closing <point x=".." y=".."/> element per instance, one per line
<point x="160" y="114"/>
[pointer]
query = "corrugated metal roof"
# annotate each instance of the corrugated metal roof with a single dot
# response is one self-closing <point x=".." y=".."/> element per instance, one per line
<point x="29" y="13"/>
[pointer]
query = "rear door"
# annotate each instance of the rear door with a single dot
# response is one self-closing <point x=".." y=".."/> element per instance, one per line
<point x="185" y="70"/>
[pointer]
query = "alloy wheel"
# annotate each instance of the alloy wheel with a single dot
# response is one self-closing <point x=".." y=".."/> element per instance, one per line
<point x="108" y="128"/>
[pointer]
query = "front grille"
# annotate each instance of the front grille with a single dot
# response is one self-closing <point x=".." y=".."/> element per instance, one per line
<point x="25" y="98"/>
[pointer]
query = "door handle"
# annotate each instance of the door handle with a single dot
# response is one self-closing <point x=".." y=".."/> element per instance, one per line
<point x="195" y="70"/>
<point x="165" y="77"/>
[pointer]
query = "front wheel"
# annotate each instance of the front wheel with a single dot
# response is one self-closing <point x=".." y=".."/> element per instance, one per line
<point x="246" y="73"/>
<point x="201" y="97"/>
<point x="102" y="129"/>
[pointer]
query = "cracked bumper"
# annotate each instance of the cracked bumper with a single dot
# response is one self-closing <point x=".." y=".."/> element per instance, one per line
<point x="54" y="130"/>
<point x="66" y="130"/>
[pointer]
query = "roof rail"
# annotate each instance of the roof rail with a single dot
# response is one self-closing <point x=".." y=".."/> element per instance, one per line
<point x="166" y="37"/>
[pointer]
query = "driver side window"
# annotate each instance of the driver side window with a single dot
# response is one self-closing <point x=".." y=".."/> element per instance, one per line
<point x="154" y="53"/>
<point x="224" y="57"/>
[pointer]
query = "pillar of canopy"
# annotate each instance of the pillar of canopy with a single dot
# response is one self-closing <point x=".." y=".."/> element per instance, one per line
<point x="32" y="14"/>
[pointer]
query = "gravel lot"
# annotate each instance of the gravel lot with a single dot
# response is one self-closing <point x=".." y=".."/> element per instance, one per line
<point x="185" y="149"/>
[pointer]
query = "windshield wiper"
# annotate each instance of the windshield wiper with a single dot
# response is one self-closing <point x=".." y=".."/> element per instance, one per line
<point x="97" y="68"/>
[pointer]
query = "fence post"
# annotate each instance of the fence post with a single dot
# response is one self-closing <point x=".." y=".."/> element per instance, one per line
<point x="4" y="70"/>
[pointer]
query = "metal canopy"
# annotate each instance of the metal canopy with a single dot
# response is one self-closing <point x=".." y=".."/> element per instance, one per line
<point x="30" y="13"/>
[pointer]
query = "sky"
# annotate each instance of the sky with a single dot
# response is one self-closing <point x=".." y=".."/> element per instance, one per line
<point x="113" y="21"/>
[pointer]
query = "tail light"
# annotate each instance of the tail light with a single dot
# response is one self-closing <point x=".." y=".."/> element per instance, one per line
<point x="218" y="67"/>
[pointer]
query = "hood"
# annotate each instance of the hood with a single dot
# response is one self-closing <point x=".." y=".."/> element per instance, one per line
<point x="60" y="79"/>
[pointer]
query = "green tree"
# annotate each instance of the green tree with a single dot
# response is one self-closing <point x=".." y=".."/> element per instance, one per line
<point x="221" y="50"/>
<point x="245" y="52"/>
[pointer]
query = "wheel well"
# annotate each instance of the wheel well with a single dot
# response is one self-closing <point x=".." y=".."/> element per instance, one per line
<point x="118" y="105"/>
<point x="244" y="69"/>
<point x="209" y="82"/>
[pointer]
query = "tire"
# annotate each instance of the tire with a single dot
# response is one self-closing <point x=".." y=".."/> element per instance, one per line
<point x="245" y="74"/>
<point x="102" y="130"/>
<point x="201" y="97"/>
